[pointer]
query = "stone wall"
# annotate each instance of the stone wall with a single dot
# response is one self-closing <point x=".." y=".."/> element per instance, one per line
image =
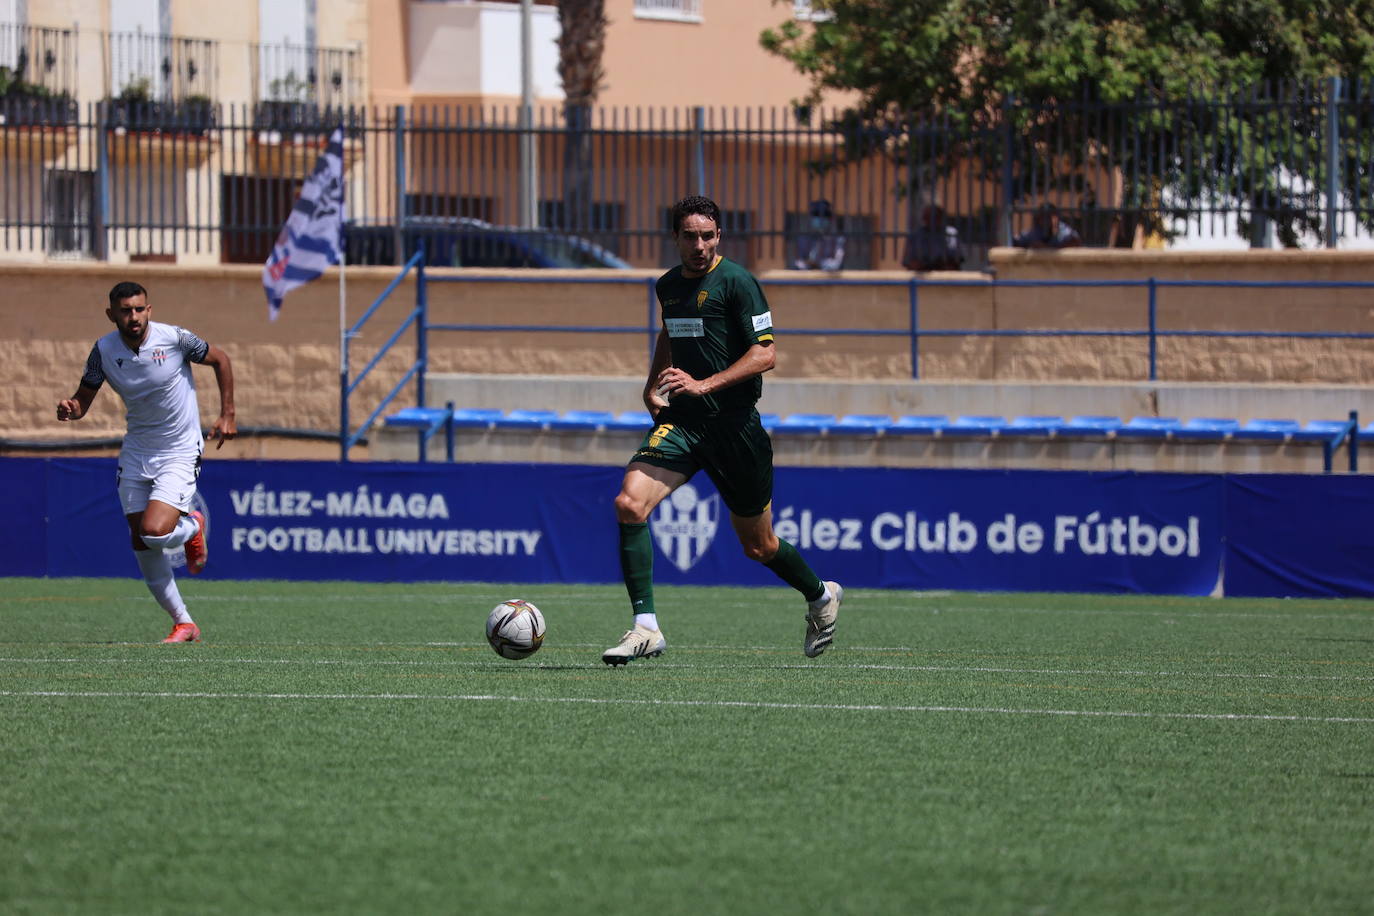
<point x="287" y="371"/>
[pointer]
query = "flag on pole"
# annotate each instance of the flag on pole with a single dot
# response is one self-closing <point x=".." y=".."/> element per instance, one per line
<point x="312" y="238"/>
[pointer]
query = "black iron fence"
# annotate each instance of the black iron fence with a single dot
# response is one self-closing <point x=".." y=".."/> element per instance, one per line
<point x="1268" y="165"/>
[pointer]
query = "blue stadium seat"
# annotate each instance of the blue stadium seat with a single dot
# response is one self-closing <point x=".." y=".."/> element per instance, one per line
<point x="583" y="420"/>
<point x="770" y="421"/>
<point x="419" y="417"/>
<point x="1319" y="430"/>
<point x="1091" y="425"/>
<point x="975" y="425"/>
<point x="1148" y="428"/>
<point x="1207" y="429"/>
<point x="426" y="421"/>
<point x="1268" y="430"/>
<point x="861" y="424"/>
<point x="475" y="417"/>
<point x="632" y="421"/>
<point x="814" y="424"/>
<point x="1034" y="425"/>
<point x="919" y="425"/>
<point x="526" y="419"/>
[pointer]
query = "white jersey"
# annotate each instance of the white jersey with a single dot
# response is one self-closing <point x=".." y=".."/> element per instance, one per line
<point x="156" y="386"/>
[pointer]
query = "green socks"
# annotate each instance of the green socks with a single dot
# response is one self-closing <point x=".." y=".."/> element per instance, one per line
<point x="637" y="566"/>
<point x="787" y="564"/>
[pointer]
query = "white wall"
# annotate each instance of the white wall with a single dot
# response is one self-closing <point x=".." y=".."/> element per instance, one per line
<point x="474" y="48"/>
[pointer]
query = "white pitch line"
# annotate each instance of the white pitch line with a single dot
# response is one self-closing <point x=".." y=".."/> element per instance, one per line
<point x="659" y="665"/>
<point x="882" y="600"/>
<point x="707" y="704"/>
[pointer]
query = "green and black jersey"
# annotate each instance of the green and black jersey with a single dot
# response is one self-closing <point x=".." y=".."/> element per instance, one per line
<point x="712" y="321"/>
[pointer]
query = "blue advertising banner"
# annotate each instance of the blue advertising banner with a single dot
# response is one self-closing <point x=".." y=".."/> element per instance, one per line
<point x="887" y="528"/>
<point x="1300" y="535"/>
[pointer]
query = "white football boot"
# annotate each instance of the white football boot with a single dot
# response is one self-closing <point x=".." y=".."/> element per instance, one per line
<point x="638" y="642"/>
<point x="820" y="621"/>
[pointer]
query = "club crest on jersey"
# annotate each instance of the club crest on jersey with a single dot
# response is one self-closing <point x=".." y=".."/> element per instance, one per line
<point x="159" y="356"/>
<point x="684" y="525"/>
<point x="702" y="296"/>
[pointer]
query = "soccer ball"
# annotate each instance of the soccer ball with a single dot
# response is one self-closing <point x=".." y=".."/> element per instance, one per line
<point x="515" y="629"/>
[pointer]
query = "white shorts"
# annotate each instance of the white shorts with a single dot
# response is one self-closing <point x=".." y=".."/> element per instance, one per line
<point x="169" y="479"/>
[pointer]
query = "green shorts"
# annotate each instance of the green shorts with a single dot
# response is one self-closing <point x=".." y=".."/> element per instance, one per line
<point x="732" y="449"/>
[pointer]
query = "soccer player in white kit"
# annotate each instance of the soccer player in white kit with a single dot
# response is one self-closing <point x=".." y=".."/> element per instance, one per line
<point x="148" y="364"/>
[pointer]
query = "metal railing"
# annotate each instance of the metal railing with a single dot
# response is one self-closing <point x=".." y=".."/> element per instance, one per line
<point x="1151" y="332"/>
<point x="348" y="383"/>
<point x="146" y="68"/>
<point x="1294" y="170"/>
<point x="289" y="77"/>
<point x="1349" y="433"/>
<point x="39" y="59"/>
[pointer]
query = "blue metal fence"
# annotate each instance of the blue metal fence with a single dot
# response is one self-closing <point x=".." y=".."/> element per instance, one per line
<point x="1150" y="330"/>
<point x="1277" y="165"/>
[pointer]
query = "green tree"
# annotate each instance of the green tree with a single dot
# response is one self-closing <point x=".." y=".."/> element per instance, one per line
<point x="1028" y="71"/>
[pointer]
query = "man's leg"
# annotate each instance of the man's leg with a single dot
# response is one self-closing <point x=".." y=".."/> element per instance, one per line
<point x="643" y="488"/>
<point x="164" y="527"/>
<point x="823" y="599"/>
<point x="157" y="575"/>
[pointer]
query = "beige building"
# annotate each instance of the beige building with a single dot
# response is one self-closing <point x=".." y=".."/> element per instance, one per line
<point x="178" y="130"/>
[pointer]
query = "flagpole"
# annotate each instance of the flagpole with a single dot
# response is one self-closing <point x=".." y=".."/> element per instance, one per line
<point x="343" y="350"/>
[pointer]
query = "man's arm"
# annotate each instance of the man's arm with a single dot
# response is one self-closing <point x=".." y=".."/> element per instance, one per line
<point x="224" y="427"/>
<point x="663" y="355"/>
<point x="75" y="407"/>
<point x="757" y="360"/>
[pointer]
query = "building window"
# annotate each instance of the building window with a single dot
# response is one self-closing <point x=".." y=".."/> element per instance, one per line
<point x="806" y="10"/>
<point x="676" y="10"/>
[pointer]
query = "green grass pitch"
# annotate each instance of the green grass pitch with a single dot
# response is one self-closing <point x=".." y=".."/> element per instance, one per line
<point x="357" y="748"/>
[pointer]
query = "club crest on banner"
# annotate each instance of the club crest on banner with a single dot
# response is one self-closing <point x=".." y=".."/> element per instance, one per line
<point x="684" y="525"/>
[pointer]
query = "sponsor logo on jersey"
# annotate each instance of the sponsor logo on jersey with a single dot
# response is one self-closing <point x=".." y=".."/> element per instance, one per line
<point x="685" y="327"/>
<point x="763" y="321"/>
<point x="684" y="525"/>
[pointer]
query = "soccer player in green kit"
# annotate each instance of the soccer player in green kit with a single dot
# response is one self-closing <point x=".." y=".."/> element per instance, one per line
<point x="704" y="380"/>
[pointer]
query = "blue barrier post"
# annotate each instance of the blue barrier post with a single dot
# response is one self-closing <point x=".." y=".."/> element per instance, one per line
<point x="1351" y="429"/>
<point x="1154" y="328"/>
<point x="421" y="329"/>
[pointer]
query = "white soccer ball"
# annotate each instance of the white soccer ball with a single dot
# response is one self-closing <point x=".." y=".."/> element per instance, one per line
<point x="515" y="629"/>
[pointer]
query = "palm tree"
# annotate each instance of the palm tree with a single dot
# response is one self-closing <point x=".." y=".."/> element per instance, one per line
<point x="581" y="42"/>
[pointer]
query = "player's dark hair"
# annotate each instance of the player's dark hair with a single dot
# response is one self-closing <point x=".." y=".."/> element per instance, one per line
<point x="701" y="206"/>
<point x="126" y="290"/>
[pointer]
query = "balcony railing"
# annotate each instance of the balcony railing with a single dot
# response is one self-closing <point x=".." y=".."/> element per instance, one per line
<point x="37" y="76"/>
<point x="146" y="68"/>
<point x="683" y="10"/>
<point x="289" y="77"/>
<point x="40" y="62"/>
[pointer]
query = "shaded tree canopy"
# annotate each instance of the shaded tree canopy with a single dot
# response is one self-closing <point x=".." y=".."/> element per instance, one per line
<point x="917" y="54"/>
<point x="1014" y="78"/>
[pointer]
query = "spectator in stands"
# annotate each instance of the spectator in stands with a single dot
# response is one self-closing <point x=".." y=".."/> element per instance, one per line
<point x="821" y="247"/>
<point x="934" y="244"/>
<point x="1048" y="231"/>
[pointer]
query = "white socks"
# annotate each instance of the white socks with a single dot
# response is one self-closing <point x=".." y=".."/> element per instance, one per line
<point x="157" y="573"/>
<point x="185" y="530"/>
<point x="647" y="620"/>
